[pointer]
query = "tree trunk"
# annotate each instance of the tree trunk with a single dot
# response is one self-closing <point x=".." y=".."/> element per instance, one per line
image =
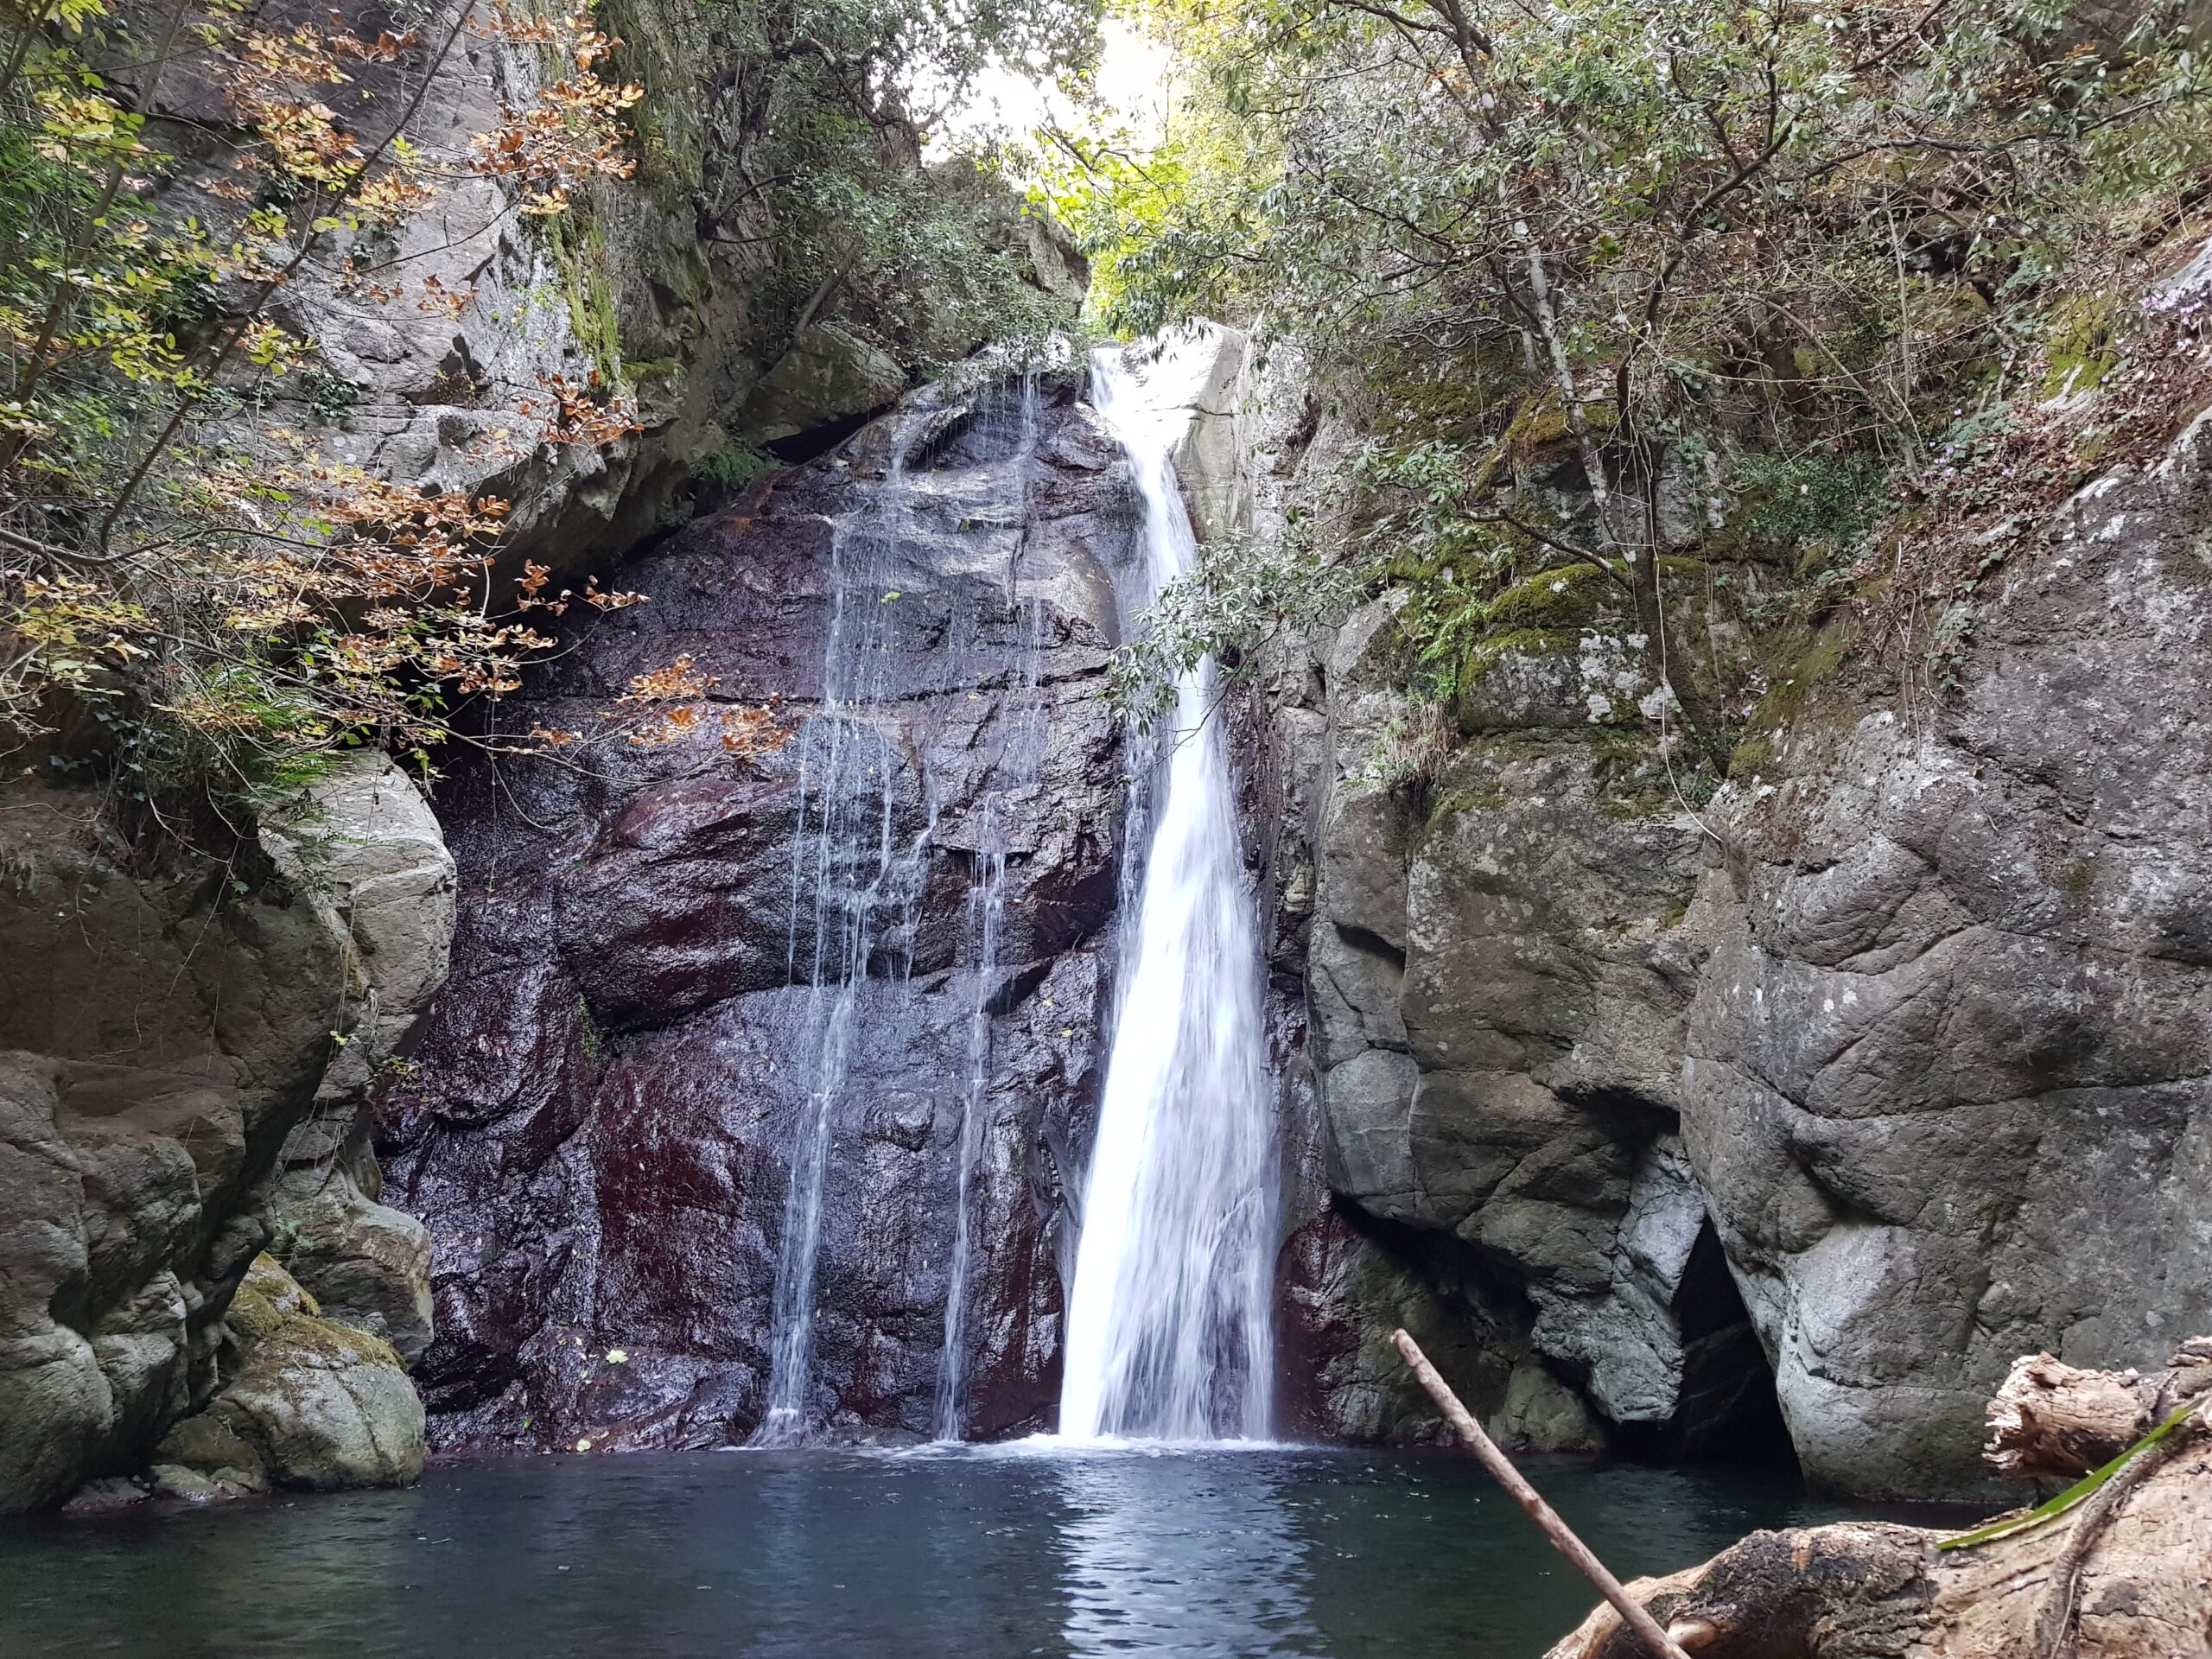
<point x="2051" y="1420"/>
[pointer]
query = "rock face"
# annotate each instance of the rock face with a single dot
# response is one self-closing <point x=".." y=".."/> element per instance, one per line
<point x="168" y="1032"/>
<point x="372" y="852"/>
<point x="1884" y="1065"/>
<point x="171" y="1028"/>
<point x="653" y="956"/>
<point x="1948" y="1055"/>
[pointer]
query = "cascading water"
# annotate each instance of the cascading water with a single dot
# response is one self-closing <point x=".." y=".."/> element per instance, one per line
<point x="1020" y="724"/>
<point x="864" y="880"/>
<point x="1170" y="1324"/>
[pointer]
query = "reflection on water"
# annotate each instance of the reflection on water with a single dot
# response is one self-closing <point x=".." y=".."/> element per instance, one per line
<point x="1029" y="1552"/>
<point x="1188" y="1554"/>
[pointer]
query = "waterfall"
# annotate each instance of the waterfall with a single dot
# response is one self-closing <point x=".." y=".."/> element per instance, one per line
<point x="858" y="879"/>
<point x="1021" y="721"/>
<point x="1170" y="1326"/>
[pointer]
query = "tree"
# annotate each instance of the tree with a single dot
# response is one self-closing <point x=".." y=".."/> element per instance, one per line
<point x="1658" y="238"/>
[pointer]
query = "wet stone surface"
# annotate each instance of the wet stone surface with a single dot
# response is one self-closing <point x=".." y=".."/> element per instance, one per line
<point x="656" y="944"/>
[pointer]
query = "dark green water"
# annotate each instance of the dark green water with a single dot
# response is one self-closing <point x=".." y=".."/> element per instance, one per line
<point x="977" y="1555"/>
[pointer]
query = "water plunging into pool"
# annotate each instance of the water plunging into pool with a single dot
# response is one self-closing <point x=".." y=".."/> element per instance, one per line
<point x="1170" y="1322"/>
<point x="1169" y="1331"/>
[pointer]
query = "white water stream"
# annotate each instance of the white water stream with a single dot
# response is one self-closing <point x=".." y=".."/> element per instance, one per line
<point x="856" y="881"/>
<point x="1170" y="1323"/>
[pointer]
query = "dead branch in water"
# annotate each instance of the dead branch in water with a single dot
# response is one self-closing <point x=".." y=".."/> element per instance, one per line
<point x="1562" y="1536"/>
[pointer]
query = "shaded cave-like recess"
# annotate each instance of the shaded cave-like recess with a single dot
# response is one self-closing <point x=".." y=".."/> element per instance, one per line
<point x="1727" y="1411"/>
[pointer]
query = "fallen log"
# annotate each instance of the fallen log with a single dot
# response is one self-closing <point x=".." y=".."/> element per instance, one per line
<point x="2120" y="1567"/>
<point x="2050" y="1420"/>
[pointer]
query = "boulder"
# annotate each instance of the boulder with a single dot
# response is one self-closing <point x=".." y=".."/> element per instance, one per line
<point x="366" y="846"/>
<point x="310" y="1404"/>
<point x="114" y="1187"/>
<point x="367" y="1264"/>
<point x="2117" y="1573"/>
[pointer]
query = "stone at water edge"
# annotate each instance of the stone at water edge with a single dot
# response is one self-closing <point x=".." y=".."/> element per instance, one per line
<point x="314" y="1404"/>
<point x="366" y="848"/>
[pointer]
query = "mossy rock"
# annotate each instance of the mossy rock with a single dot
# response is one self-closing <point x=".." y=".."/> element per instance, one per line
<point x="1792" y="687"/>
<point x="1572" y="596"/>
<point x="578" y="248"/>
<point x="315" y="1405"/>
<point x="1631" y="776"/>
<point x="1524" y="679"/>
<point x="1540" y="427"/>
<point x="2082" y="345"/>
<point x="265" y="1298"/>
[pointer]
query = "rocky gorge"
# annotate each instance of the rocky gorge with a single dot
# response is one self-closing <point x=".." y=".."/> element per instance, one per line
<point x="1795" y="1114"/>
<point x="1809" y="1107"/>
<point x="692" y="770"/>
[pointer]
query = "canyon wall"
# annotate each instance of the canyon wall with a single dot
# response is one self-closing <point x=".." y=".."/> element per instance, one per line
<point x="1883" y="1064"/>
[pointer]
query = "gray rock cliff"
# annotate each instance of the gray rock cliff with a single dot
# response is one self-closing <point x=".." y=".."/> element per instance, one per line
<point x="1807" y="1108"/>
<point x="174" y="1093"/>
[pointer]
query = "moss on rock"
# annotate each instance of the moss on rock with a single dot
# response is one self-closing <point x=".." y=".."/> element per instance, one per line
<point x="314" y="1404"/>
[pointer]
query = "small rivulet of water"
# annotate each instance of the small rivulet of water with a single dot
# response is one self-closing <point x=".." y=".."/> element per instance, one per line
<point x="1020" y="725"/>
<point x="857" y="876"/>
<point x="857" y="879"/>
<point x="1170" y="1321"/>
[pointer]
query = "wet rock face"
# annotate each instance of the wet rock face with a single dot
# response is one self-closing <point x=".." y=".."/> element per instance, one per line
<point x="614" y="1080"/>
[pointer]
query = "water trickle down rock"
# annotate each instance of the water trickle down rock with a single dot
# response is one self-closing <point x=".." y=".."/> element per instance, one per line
<point x="616" y="1076"/>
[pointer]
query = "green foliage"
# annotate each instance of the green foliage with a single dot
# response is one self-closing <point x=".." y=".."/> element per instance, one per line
<point x="1561" y="261"/>
<point x="819" y="173"/>
<point x="197" y="603"/>
<point x="331" y="397"/>
<point x="1811" y="496"/>
<point x="733" y="467"/>
<point x="1239" y="597"/>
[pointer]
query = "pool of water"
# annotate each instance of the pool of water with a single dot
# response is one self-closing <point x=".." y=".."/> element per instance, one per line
<point x="937" y="1555"/>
